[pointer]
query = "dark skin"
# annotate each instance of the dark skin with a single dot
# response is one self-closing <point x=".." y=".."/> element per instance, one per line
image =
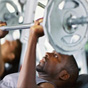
<point x="7" y="54"/>
<point x="49" y="67"/>
<point x="8" y="49"/>
<point x="3" y="33"/>
<point x="36" y="31"/>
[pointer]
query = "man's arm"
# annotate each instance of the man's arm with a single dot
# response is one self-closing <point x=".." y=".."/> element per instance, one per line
<point x="2" y="34"/>
<point x="27" y="74"/>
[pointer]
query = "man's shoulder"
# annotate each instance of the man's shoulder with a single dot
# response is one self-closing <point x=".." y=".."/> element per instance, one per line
<point x="13" y="76"/>
<point x="9" y="81"/>
<point x="46" y="85"/>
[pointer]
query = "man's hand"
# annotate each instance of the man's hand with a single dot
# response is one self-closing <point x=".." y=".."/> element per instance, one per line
<point x="3" y="33"/>
<point x="37" y="29"/>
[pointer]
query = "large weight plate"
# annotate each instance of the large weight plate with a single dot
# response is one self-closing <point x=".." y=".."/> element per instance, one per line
<point x="62" y="38"/>
<point x="11" y="18"/>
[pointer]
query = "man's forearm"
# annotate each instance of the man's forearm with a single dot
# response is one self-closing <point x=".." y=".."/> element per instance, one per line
<point x="27" y="74"/>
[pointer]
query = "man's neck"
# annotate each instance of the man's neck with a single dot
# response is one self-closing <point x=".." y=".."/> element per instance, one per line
<point x="45" y="76"/>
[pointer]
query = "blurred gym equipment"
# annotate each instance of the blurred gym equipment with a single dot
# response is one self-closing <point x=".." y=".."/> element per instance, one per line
<point x="9" y="15"/>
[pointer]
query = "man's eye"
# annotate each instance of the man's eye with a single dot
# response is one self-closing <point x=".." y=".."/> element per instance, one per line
<point x="55" y="55"/>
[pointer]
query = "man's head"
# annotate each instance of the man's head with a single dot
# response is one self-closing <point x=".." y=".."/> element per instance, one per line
<point x="60" y="69"/>
<point x="11" y="50"/>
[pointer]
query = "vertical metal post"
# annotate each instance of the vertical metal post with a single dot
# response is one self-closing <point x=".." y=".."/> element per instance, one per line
<point x="28" y="18"/>
<point x="81" y="61"/>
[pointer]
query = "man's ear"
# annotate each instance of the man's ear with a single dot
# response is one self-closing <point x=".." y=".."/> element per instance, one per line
<point x="64" y="75"/>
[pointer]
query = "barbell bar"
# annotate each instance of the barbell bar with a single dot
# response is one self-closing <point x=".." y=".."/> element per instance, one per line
<point x="70" y="22"/>
<point x="63" y="25"/>
<point x="17" y="27"/>
<point x="81" y="20"/>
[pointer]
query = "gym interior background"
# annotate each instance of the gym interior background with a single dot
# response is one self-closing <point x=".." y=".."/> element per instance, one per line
<point x="16" y="12"/>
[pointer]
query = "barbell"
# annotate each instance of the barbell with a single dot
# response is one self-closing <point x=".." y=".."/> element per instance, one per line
<point x="70" y="23"/>
<point x="65" y="25"/>
<point x="61" y="25"/>
<point x="7" y="15"/>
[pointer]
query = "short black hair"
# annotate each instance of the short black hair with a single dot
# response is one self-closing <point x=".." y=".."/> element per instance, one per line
<point x="72" y="68"/>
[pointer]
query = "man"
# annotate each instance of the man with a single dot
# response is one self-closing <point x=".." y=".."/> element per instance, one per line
<point x="9" y="53"/>
<point x="55" y="70"/>
<point x="2" y="34"/>
<point x="46" y="68"/>
<point x="59" y="70"/>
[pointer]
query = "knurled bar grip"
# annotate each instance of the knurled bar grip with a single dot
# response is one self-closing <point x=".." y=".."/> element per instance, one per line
<point x="77" y="21"/>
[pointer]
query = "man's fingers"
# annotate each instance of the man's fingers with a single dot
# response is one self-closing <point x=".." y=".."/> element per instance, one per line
<point x="3" y="33"/>
<point x="38" y="21"/>
<point x="2" y="23"/>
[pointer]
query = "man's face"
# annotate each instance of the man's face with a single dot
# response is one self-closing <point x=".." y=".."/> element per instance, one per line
<point x="52" y="64"/>
<point x="7" y="50"/>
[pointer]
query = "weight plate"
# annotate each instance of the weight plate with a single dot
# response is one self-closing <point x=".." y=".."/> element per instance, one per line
<point x="11" y="18"/>
<point x="62" y="38"/>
